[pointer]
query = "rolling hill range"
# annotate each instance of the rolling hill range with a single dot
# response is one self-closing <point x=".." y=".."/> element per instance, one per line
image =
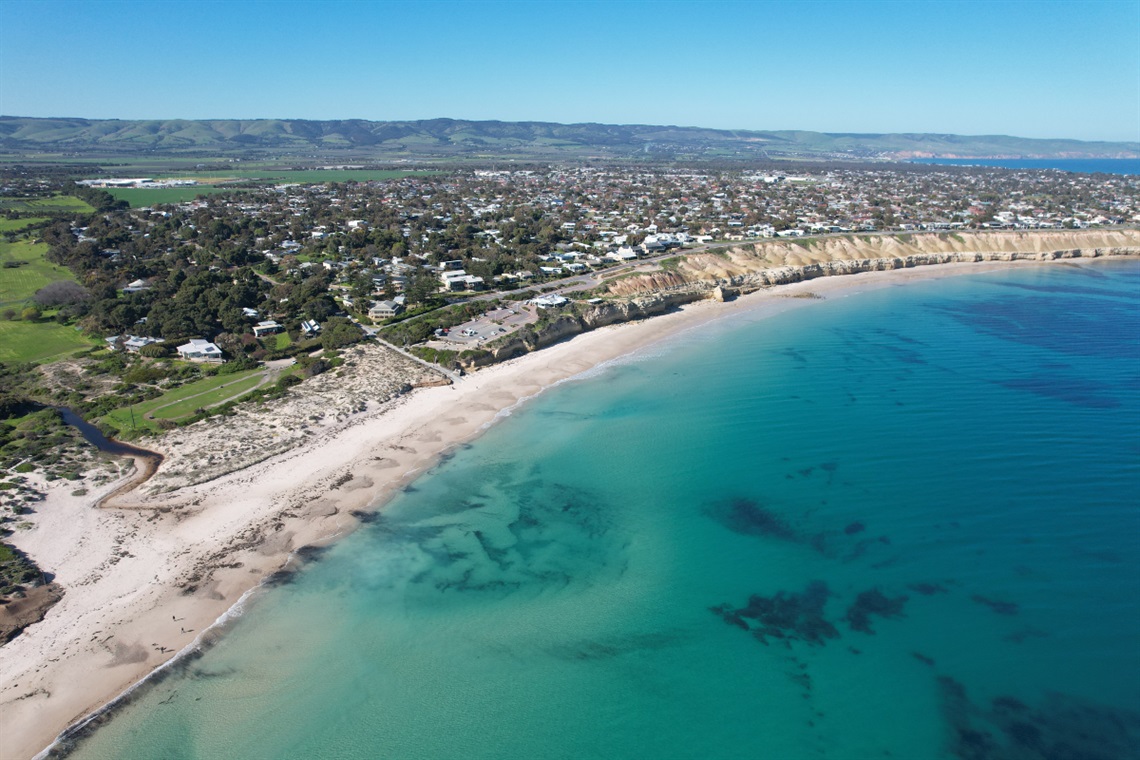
<point x="452" y="138"/>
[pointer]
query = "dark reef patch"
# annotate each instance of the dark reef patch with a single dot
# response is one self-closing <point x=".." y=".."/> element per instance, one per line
<point x="927" y="589"/>
<point x="997" y="605"/>
<point x="279" y="578"/>
<point x="592" y="650"/>
<point x="750" y="518"/>
<point x="873" y="602"/>
<point x="1022" y="634"/>
<point x="785" y="616"/>
<point x="1060" y="727"/>
<point x="1066" y="390"/>
<point x="507" y="535"/>
<point x="924" y="659"/>
<point x="310" y="553"/>
<point x="365" y="518"/>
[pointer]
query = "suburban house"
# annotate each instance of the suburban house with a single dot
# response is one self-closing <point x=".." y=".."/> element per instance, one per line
<point x="134" y="342"/>
<point x="459" y="280"/>
<point x="548" y="301"/>
<point x="385" y="310"/>
<point x="310" y="327"/>
<point x="270" y="327"/>
<point x="136" y="286"/>
<point x="198" y="350"/>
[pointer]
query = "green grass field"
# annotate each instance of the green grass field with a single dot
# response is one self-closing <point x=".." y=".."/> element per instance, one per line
<point x="14" y="225"/>
<point x="315" y="176"/>
<point x="139" y="197"/>
<point x="283" y="341"/>
<point x="39" y="342"/>
<point x="18" y="284"/>
<point x="183" y="401"/>
<point x="279" y="176"/>
<point x="59" y="204"/>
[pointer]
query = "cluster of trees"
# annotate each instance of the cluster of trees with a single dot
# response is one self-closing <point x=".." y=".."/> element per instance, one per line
<point x="97" y="198"/>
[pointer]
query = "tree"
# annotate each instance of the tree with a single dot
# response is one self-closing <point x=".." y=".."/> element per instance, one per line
<point x="31" y="314"/>
<point x="61" y="292"/>
<point x="422" y="285"/>
<point x="339" y="332"/>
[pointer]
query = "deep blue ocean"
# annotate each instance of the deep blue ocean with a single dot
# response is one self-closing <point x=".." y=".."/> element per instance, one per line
<point x="896" y="523"/>
<point x="1082" y="165"/>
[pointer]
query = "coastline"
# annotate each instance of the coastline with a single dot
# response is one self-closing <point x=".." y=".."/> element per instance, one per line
<point x="100" y="639"/>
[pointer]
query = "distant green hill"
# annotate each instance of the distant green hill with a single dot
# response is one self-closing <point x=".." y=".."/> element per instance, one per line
<point x="453" y="138"/>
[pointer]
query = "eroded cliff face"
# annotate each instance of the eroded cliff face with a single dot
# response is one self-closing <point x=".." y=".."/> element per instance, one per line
<point x="586" y="318"/>
<point x="754" y="265"/>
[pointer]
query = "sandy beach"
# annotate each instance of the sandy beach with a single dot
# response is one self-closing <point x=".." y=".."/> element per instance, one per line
<point x="143" y="583"/>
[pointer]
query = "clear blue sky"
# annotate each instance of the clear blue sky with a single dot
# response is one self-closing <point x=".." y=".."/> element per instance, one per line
<point x="1033" y="69"/>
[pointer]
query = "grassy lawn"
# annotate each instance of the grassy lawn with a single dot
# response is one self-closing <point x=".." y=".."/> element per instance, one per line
<point x="39" y="341"/>
<point x="13" y="225"/>
<point x="181" y="402"/>
<point x="59" y="204"/>
<point x="139" y="197"/>
<point x="235" y="385"/>
<point x="283" y="341"/>
<point x="18" y="284"/>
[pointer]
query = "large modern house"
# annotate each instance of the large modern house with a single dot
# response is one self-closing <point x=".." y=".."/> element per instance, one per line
<point x="198" y="350"/>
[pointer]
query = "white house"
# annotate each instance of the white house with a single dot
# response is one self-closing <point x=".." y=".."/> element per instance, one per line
<point x="546" y="301"/>
<point x="385" y="310"/>
<point x="269" y="327"/>
<point x="198" y="350"/>
<point x="134" y="342"/>
<point x="136" y="286"/>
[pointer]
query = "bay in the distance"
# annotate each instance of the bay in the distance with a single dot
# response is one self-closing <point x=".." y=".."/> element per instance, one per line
<point x="1082" y="165"/>
<point x="900" y="522"/>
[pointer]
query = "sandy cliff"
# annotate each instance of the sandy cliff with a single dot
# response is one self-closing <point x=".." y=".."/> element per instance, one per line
<point x="749" y="266"/>
<point x="752" y="266"/>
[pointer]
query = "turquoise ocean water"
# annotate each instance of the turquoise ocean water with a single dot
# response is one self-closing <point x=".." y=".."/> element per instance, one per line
<point x="897" y="523"/>
<point x="1082" y="165"/>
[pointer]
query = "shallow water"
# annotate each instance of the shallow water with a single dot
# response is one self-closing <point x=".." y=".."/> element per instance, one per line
<point x="897" y="523"/>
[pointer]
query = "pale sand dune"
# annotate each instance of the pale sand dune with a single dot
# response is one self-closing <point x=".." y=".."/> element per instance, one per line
<point x="159" y="574"/>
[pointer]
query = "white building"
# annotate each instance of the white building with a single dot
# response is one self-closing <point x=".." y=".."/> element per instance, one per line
<point x="198" y="350"/>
